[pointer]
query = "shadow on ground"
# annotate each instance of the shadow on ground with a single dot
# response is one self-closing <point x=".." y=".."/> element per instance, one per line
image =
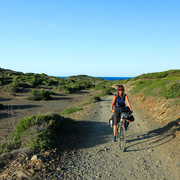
<point x="86" y="134"/>
<point x="61" y="98"/>
<point x="8" y="110"/>
<point x="154" y="138"/>
<point x="11" y="107"/>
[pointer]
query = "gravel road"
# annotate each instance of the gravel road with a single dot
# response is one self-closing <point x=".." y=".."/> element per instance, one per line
<point x="148" y="153"/>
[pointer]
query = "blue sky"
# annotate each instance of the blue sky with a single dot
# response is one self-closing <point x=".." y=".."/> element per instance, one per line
<point x="92" y="37"/>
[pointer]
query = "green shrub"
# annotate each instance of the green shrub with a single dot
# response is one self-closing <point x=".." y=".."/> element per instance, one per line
<point x="83" y="84"/>
<point x="172" y="91"/>
<point x="8" y="146"/>
<point x="68" y="90"/>
<point x="107" y="91"/>
<point x="71" y="110"/>
<point x="33" y="80"/>
<point x="39" y="132"/>
<point x="61" y="87"/>
<point x="99" y="86"/>
<point x="95" y="99"/>
<point x="37" y="95"/>
<point x="14" y="88"/>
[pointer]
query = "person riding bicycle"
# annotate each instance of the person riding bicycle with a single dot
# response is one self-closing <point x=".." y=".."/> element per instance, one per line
<point x="119" y="101"/>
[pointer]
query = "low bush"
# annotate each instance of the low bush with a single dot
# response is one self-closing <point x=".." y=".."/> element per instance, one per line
<point x="71" y="110"/>
<point x="107" y="91"/>
<point x="69" y="90"/>
<point x="172" y="91"/>
<point x="95" y="99"/>
<point x="99" y="86"/>
<point x="39" y="132"/>
<point x="37" y="95"/>
<point x="13" y="88"/>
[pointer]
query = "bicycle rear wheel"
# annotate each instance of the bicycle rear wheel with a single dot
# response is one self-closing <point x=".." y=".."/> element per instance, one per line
<point x="121" y="137"/>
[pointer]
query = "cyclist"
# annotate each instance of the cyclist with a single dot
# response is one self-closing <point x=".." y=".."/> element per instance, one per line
<point x="119" y="101"/>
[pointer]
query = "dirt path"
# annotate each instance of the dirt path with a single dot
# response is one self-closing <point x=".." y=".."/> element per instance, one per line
<point x="148" y="152"/>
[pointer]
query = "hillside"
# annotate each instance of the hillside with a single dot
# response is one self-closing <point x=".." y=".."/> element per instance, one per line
<point x="15" y="82"/>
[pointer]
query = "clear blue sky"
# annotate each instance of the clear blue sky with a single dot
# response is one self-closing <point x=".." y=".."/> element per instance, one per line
<point x="92" y="37"/>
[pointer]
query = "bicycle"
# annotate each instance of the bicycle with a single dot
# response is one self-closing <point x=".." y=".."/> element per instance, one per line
<point x="120" y="134"/>
<point x="121" y="131"/>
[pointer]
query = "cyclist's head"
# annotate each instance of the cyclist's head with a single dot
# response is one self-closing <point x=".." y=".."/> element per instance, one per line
<point x="120" y="90"/>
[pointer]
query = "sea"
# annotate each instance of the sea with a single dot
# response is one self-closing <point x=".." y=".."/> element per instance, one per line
<point x="107" y="78"/>
<point x="115" y="78"/>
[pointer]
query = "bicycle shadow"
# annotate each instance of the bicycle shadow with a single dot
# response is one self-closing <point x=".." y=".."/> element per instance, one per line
<point x="154" y="138"/>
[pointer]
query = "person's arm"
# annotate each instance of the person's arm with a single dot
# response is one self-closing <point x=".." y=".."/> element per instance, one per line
<point x="112" y="105"/>
<point x="127" y="100"/>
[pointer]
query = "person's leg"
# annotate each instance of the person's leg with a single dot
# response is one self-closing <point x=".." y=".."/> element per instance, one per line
<point x="115" y="124"/>
<point x="115" y="129"/>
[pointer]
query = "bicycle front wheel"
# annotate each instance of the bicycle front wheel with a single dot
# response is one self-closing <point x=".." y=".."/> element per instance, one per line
<point x="121" y="137"/>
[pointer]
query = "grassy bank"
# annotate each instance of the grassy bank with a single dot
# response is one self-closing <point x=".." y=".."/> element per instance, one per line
<point x="163" y="84"/>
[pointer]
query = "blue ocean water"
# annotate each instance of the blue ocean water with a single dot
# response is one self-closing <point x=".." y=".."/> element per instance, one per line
<point x="115" y="78"/>
<point x="107" y="78"/>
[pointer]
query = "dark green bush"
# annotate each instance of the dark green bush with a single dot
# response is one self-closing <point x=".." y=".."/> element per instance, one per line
<point x="35" y="82"/>
<point x="37" y="95"/>
<point x="14" y="88"/>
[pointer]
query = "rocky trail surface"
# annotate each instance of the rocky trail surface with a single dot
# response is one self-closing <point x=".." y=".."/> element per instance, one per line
<point x="152" y="152"/>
